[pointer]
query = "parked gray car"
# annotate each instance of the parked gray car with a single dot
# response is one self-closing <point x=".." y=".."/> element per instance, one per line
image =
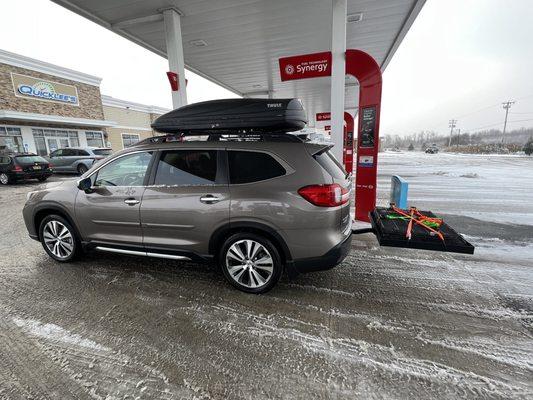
<point x="77" y="159"/>
<point x="254" y="207"/>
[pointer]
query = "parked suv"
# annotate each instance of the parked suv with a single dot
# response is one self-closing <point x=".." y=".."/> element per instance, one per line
<point x="22" y="166"/>
<point x="254" y="207"/>
<point x="77" y="159"/>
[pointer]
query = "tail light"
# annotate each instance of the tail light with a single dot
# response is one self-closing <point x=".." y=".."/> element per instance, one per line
<point x="17" y="168"/>
<point x="332" y="195"/>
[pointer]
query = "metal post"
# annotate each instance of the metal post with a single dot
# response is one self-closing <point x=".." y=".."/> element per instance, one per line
<point x="451" y="125"/>
<point x="506" y="105"/>
<point x="176" y="61"/>
<point x="338" y="74"/>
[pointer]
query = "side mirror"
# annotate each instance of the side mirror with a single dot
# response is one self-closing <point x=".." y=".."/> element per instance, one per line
<point x="85" y="184"/>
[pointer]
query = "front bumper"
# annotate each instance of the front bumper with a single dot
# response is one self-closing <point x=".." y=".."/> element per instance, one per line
<point x="329" y="260"/>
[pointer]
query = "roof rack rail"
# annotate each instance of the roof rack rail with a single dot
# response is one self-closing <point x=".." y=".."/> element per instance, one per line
<point x="223" y="137"/>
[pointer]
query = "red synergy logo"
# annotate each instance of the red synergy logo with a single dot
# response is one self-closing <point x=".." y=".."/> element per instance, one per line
<point x="289" y="69"/>
<point x="305" y="66"/>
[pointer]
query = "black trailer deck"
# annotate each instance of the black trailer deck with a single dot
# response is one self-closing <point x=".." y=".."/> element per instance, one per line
<point x="392" y="232"/>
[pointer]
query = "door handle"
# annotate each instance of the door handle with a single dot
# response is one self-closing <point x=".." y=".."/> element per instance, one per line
<point x="131" y="202"/>
<point x="210" y="199"/>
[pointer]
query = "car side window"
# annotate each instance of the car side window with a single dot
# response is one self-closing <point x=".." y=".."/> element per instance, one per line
<point x="57" y="153"/>
<point x="252" y="166"/>
<point x="187" y="167"/>
<point x="68" y="152"/>
<point x="128" y="170"/>
<point x="82" y="153"/>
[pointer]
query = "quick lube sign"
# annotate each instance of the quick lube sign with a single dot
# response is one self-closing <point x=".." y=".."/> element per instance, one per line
<point x="40" y="89"/>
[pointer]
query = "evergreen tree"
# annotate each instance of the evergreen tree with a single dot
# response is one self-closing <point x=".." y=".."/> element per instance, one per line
<point x="528" y="148"/>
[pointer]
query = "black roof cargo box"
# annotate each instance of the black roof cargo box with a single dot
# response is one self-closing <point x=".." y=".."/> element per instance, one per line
<point x="234" y="115"/>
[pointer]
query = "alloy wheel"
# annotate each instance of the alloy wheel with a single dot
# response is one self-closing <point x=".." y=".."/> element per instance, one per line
<point x="4" y="179"/>
<point x="249" y="263"/>
<point x="58" y="239"/>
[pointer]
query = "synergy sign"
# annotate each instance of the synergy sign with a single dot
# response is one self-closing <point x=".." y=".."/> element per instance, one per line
<point x="305" y="66"/>
<point x="30" y="87"/>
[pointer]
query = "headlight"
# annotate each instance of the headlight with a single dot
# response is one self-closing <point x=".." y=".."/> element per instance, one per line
<point x="29" y="195"/>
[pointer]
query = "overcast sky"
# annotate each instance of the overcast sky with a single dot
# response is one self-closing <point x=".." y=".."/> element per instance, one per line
<point x="460" y="60"/>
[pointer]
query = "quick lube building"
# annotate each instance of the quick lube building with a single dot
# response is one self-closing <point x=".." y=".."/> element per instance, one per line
<point x="45" y="107"/>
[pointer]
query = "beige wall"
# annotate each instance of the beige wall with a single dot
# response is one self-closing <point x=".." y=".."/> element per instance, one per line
<point x="129" y="122"/>
<point x="90" y="102"/>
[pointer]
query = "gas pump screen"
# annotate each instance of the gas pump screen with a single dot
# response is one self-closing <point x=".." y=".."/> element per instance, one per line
<point x="368" y="127"/>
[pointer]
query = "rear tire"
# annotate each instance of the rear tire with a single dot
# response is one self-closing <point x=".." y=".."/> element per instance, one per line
<point x="59" y="238"/>
<point x="82" y="168"/>
<point x="42" y="178"/>
<point x="250" y="262"/>
<point x="5" y="179"/>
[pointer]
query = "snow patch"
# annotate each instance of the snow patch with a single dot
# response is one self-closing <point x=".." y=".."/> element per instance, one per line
<point x="56" y="333"/>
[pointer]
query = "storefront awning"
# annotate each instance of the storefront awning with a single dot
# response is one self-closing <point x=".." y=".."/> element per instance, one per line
<point x="18" y="116"/>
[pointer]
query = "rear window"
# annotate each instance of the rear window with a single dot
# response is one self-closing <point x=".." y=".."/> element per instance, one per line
<point x="187" y="167"/>
<point x="30" y="159"/>
<point x="102" y="152"/>
<point x="250" y="166"/>
<point x="330" y="164"/>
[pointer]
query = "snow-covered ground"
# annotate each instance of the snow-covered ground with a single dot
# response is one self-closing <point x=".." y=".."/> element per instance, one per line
<point x="385" y="324"/>
<point x="496" y="188"/>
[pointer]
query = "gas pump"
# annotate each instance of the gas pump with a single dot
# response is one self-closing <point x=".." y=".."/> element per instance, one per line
<point x="347" y="152"/>
<point x="348" y="142"/>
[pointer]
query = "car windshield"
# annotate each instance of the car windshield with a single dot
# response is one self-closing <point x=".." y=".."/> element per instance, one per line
<point x="30" y="159"/>
<point x="103" y="152"/>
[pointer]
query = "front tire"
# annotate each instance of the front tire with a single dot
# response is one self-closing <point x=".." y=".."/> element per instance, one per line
<point x="59" y="238"/>
<point x="42" y="178"/>
<point x="250" y="262"/>
<point x="4" y="179"/>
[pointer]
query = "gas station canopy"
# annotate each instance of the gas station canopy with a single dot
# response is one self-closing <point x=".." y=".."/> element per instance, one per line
<point x="237" y="43"/>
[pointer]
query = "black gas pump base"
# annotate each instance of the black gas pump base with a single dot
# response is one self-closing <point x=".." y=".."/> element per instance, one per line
<point x="392" y="232"/>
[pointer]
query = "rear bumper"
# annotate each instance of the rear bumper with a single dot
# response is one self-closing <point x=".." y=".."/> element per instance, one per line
<point x="329" y="260"/>
<point x="31" y="175"/>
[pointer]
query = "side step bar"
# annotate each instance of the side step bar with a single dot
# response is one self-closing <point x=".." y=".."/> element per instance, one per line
<point x="141" y="253"/>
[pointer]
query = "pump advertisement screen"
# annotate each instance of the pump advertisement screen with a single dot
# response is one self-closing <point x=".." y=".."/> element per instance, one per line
<point x="305" y="66"/>
<point x="368" y="127"/>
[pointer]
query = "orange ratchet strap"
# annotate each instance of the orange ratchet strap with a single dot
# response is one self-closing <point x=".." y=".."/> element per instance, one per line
<point x="418" y="220"/>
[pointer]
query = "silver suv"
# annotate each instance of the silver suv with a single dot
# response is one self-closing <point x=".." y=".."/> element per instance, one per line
<point x="77" y="159"/>
<point x="253" y="207"/>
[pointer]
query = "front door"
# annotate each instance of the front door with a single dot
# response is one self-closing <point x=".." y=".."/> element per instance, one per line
<point x="109" y="214"/>
<point x="187" y="202"/>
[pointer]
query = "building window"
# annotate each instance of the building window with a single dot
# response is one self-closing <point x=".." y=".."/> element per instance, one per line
<point x="129" y="139"/>
<point x="95" y="139"/>
<point x="11" y="139"/>
<point x="49" y="140"/>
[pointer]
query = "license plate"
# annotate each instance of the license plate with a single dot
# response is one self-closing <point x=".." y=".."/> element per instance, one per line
<point x="37" y="167"/>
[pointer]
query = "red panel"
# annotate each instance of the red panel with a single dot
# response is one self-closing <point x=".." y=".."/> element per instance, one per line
<point x="305" y="66"/>
<point x="324" y="116"/>
<point x="173" y="80"/>
<point x="367" y="71"/>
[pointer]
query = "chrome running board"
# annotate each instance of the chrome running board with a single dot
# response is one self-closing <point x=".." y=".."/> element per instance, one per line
<point x="141" y="253"/>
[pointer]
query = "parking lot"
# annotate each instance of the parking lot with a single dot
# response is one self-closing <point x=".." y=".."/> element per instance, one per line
<point x="387" y="323"/>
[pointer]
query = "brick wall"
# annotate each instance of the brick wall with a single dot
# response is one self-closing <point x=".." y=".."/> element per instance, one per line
<point x="89" y="97"/>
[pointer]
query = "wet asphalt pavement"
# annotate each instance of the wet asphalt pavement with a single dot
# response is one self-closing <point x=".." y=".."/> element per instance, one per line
<point x="385" y="324"/>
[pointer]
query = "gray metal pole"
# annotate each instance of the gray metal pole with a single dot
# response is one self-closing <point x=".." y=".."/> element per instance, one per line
<point x="506" y="105"/>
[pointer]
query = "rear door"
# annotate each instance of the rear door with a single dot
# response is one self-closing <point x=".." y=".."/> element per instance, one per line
<point x="187" y="201"/>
